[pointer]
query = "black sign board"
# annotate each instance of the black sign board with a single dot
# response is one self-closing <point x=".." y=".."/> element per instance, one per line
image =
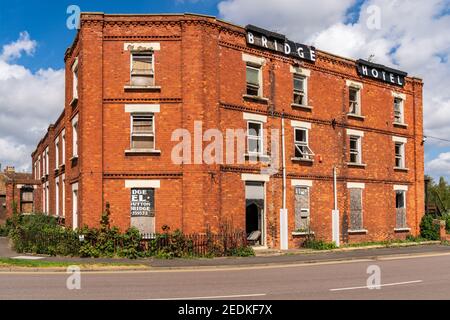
<point x="269" y="40"/>
<point x="142" y="202"/>
<point x="381" y="73"/>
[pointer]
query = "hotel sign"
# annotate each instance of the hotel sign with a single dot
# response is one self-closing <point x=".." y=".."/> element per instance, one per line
<point x="142" y="203"/>
<point x="381" y="73"/>
<point x="269" y="40"/>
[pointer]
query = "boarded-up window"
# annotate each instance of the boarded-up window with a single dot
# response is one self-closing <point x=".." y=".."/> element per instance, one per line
<point x="400" y="207"/>
<point x="142" y="69"/>
<point x="142" y="209"/>
<point x="356" y="213"/>
<point x="142" y="134"/>
<point x="302" y="208"/>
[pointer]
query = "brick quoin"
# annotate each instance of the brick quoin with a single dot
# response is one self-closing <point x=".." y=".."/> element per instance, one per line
<point x="201" y="76"/>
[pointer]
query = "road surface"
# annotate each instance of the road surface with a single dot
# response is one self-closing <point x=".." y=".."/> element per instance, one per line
<point x="414" y="277"/>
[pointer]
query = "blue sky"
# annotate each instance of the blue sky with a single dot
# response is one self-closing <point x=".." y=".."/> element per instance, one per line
<point x="45" y="21"/>
<point x="411" y="38"/>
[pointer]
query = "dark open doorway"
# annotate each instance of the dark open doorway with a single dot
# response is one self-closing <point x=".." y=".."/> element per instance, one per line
<point x="251" y="218"/>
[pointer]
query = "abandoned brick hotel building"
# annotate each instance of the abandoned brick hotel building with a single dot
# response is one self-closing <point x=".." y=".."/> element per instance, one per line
<point x="332" y="146"/>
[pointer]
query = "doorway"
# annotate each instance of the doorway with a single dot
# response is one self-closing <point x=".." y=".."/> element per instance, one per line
<point x="254" y="213"/>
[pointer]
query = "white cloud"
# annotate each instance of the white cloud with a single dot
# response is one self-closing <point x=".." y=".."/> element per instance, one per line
<point x="414" y="36"/>
<point x="440" y="166"/>
<point x="294" y="18"/>
<point x="14" y="50"/>
<point x="29" y="102"/>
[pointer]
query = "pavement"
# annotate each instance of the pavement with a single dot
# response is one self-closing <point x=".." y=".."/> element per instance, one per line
<point x="418" y="276"/>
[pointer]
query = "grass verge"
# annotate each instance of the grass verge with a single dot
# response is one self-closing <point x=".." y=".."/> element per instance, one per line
<point x="22" y="263"/>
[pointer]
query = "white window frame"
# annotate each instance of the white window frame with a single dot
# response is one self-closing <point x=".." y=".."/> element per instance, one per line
<point x="39" y="167"/>
<point x="260" y="138"/>
<point x="358" y="100"/>
<point x="63" y="155"/>
<point x="47" y="161"/>
<point x="153" y="134"/>
<point x="47" y="198"/>
<point x="150" y="54"/>
<point x="305" y="88"/>
<point x="75" y="70"/>
<point x="75" y="128"/>
<point x="401" y="156"/>
<point x="57" y="153"/>
<point x="402" y="110"/>
<point x="359" y="148"/>
<point x="57" y="196"/>
<point x="75" y="212"/>
<point x="298" y="144"/>
<point x="63" y="195"/>
<point x="403" y="192"/>
<point x="257" y="67"/>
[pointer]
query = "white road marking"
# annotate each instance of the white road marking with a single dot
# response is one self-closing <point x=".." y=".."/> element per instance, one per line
<point x="216" y="297"/>
<point x="381" y="285"/>
<point x="27" y="258"/>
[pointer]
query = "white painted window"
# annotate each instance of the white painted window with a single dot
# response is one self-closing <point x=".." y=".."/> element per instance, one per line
<point x="254" y="138"/>
<point x="63" y="197"/>
<point x="142" y="131"/>
<point x="57" y="153"/>
<point x="300" y="89"/>
<point x="399" y="155"/>
<point x="75" y="206"/>
<point x="75" y="137"/>
<point x="301" y="143"/>
<point x="63" y="151"/>
<point x="57" y="196"/>
<point x="355" y="149"/>
<point x="399" y="116"/>
<point x="354" y="100"/>
<point x="47" y="195"/>
<point x="39" y="168"/>
<point x="75" y="80"/>
<point x="254" y="80"/>
<point x="142" y="69"/>
<point x="47" y="161"/>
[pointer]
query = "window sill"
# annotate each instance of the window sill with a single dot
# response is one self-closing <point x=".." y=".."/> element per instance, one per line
<point x="400" y="125"/>
<point x="73" y="102"/>
<point x="141" y="88"/>
<point x="402" y="229"/>
<point x="255" y="98"/>
<point x="261" y="157"/>
<point x="302" y="160"/>
<point x="143" y="151"/>
<point x="401" y="169"/>
<point x="302" y="233"/>
<point x="356" y="165"/>
<point x="301" y="106"/>
<point x="361" y="231"/>
<point x="355" y="116"/>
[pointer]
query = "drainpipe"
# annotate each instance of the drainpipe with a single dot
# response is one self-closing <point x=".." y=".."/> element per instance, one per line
<point x="283" y="211"/>
<point x="335" y="214"/>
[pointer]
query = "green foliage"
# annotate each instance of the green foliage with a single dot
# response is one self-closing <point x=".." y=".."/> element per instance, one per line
<point x="41" y="234"/>
<point x="243" y="251"/>
<point x="314" y="244"/>
<point x="428" y="229"/>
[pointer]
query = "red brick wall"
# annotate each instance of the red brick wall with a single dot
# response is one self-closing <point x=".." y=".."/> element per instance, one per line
<point x="202" y="78"/>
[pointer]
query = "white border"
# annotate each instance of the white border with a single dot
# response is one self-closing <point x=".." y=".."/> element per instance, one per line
<point x="354" y="185"/>
<point x="145" y="108"/>
<point x="400" y="188"/>
<point x="142" y="184"/>
<point x="255" y="177"/>
<point x="352" y="132"/>
<point x="302" y="183"/>
<point x="254" y="117"/>
<point x="141" y="46"/>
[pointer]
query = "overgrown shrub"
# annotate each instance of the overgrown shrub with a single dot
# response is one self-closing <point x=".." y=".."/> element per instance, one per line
<point x="314" y="244"/>
<point x="428" y="229"/>
<point x="41" y="234"/>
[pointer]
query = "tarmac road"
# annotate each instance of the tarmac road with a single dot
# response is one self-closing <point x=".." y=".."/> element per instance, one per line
<point x="420" y="276"/>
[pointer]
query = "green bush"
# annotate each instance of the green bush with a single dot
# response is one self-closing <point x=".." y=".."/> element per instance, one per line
<point x="428" y="229"/>
<point x="319" y="244"/>
<point x="447" y="222"/>
<point x="243" y="252"/>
